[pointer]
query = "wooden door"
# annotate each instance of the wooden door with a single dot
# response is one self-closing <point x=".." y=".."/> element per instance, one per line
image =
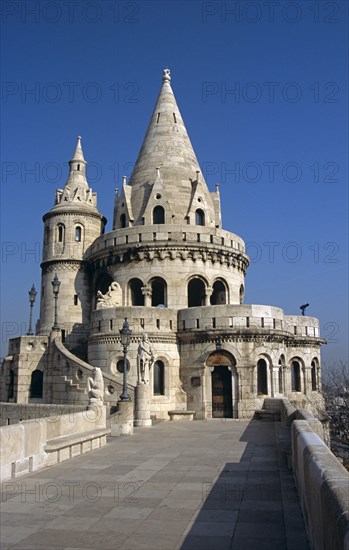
<point x="222" y="405"/>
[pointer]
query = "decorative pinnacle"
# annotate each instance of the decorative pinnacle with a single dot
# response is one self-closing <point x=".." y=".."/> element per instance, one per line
<point x="166" y="77"/>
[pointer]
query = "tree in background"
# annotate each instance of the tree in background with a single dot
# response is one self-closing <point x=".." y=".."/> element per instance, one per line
<point x="335" y="387"/>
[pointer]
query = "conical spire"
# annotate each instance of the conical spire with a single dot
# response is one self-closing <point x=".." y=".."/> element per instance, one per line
<point x="76" y="189"/>
<point x="78" y="155"/>
<point x="78" y="163"/>
<point x="167" y="146"/>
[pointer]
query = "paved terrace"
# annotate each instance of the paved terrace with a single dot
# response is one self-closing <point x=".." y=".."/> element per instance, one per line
<point x="178" y="485"/>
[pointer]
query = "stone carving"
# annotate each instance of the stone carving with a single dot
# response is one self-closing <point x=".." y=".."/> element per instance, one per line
<point x="145" y="359"/>
<point x="112" y="298"/>
<point x="95" y="387"/>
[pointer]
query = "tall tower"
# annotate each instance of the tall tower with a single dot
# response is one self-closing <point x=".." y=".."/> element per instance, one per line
<point x="70" y="228"/>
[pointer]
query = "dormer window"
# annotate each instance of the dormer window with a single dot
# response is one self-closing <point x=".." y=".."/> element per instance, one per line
<point x="78" y="167"/>
<point x="158" y="215"/>
<point x="199" y="217"/>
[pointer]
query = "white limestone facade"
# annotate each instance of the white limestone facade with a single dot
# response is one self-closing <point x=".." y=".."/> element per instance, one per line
<point x="180" y="279"/>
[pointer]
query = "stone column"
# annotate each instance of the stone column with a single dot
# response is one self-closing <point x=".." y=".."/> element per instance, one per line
<point x="147" y="292"/>
<point x="307" y="388"/>
<point x="208" y="293"/>
<point x="142" y="408"/>
<point x="275" y="377"/>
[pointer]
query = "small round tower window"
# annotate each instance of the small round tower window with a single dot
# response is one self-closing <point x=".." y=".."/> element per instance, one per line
<point x="158" y="196"/>
<point x="199" y="199"/>
<point x="120" y="366"/>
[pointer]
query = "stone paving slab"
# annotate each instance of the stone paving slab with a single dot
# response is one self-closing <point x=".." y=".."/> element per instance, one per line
<point x="176" y="486"/>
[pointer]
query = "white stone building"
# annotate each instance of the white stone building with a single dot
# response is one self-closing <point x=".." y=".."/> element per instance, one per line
<point x="179" y="278"/>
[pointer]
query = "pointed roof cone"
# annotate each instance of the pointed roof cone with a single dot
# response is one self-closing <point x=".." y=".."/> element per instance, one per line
<point x="76" y="189"/>
<point x="167" y="146"/>
<point x="78" y="153"/>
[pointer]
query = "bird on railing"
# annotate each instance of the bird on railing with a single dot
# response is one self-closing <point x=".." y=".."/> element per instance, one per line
<point x="303" y="307"/>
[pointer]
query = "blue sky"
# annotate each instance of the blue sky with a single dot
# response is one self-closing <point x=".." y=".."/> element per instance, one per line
<point x="262" y="89"/>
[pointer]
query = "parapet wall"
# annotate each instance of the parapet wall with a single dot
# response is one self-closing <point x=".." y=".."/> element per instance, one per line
<point x="166" y="233"/>
<point x="23" y="445"/>
<point x="323" y="488"/>
<point x="12" y="413"/>
<point x="244" y="316"/>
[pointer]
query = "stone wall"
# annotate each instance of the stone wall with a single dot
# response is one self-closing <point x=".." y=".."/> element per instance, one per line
<point x="323" y="488"/>
<point x="12" y="413"/>
<point x="23" y="444"/>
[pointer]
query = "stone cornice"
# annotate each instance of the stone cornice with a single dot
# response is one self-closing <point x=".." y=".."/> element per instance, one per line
<point x="248" y="335"/>
<point x="50" y="266"/>
<point x="74" y="211"/>
<point x="101" y="338"/>
<point x="201" y="251"/>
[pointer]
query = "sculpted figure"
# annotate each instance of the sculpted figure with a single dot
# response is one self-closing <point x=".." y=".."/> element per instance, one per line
<point x="145" y="359"/>
<point x="112" y="298"/>
<point x="95" y="386"/>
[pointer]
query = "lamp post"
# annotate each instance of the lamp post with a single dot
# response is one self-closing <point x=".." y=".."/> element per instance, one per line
<point x="125" y="334"/>
<point x="55" y="286"/>
<point x="32" y="295"/>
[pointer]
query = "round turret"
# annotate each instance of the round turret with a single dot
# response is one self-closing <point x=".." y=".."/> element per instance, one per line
<point x="70" y="228"/>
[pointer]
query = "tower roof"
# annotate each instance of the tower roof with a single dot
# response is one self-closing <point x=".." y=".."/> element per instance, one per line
<point x="76" y="192"/>
<point x="167" y="146"/>
<point x="78" y="154"/>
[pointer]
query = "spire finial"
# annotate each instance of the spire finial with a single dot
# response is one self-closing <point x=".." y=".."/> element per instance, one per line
<point x="166" y="77"/>
<point x="78" y="154"/>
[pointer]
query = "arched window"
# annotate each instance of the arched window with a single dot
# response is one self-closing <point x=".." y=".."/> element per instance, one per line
<point x="60" y="232"/>
<point x="36" y="386"/>
<point x="135" y="292"/>
<point x="158" y="292"/>
<point x="281" y="373"/>
<point x="196" y="292"/>
<point x="295" y="376"/>
<point x="262" y="377"/>
<point x="46" y="235"/>
<point x="78" y="234"/>
<point x="219" y="294"/>
<point x="103" y="283"/>
<point x="199" y="217"/>
<point x="123" y="221"/>
<point x="11" y="386"/>
<point x="280" y="380"/>
<point x="242" y="294"/>
<point x="158" y="378"/>
<point x="313" y="376"/>
<point x="158" y="215"/>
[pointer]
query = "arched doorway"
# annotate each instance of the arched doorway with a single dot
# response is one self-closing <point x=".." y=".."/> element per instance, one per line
<point x="36" y="386"/>
<point x="224" y="384"/>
